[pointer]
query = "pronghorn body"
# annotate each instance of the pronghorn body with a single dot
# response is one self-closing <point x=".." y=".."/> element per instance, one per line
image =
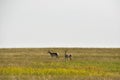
<point x="53" y="54"/>
<point x="68" y="56"/>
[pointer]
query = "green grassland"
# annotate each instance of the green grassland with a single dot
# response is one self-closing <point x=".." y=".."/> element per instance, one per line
<point x="37" y="64"/>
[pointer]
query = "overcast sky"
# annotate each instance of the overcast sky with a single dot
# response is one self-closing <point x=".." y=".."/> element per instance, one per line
<point x="59" y="23"/>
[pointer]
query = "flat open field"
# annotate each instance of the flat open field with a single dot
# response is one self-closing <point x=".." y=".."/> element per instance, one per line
<point x="37" y="64"/>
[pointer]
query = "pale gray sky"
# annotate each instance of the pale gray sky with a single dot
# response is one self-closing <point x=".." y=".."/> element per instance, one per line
<point x="59" y="23"/>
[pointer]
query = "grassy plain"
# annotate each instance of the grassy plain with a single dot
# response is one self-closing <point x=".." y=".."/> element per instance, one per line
<point x="37" y="64"/>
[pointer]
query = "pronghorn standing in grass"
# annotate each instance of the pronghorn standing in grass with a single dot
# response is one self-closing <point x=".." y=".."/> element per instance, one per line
<point x="52" y="54"/>
<point x="68" y="56"/>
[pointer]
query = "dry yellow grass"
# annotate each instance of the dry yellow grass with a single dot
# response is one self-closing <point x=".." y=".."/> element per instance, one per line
<point x="36" y="63"/>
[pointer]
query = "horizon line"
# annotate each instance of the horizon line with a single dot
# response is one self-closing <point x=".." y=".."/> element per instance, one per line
<point x="63" y="47"/>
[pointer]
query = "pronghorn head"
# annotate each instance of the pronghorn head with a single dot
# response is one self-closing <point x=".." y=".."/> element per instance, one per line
<point x="66" y="51"/>
<point x="50" y="51"/>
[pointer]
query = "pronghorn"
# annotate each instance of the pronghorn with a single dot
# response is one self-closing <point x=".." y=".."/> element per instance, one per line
<point x="53" y="54"/>
<point x="68" y="56"/>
